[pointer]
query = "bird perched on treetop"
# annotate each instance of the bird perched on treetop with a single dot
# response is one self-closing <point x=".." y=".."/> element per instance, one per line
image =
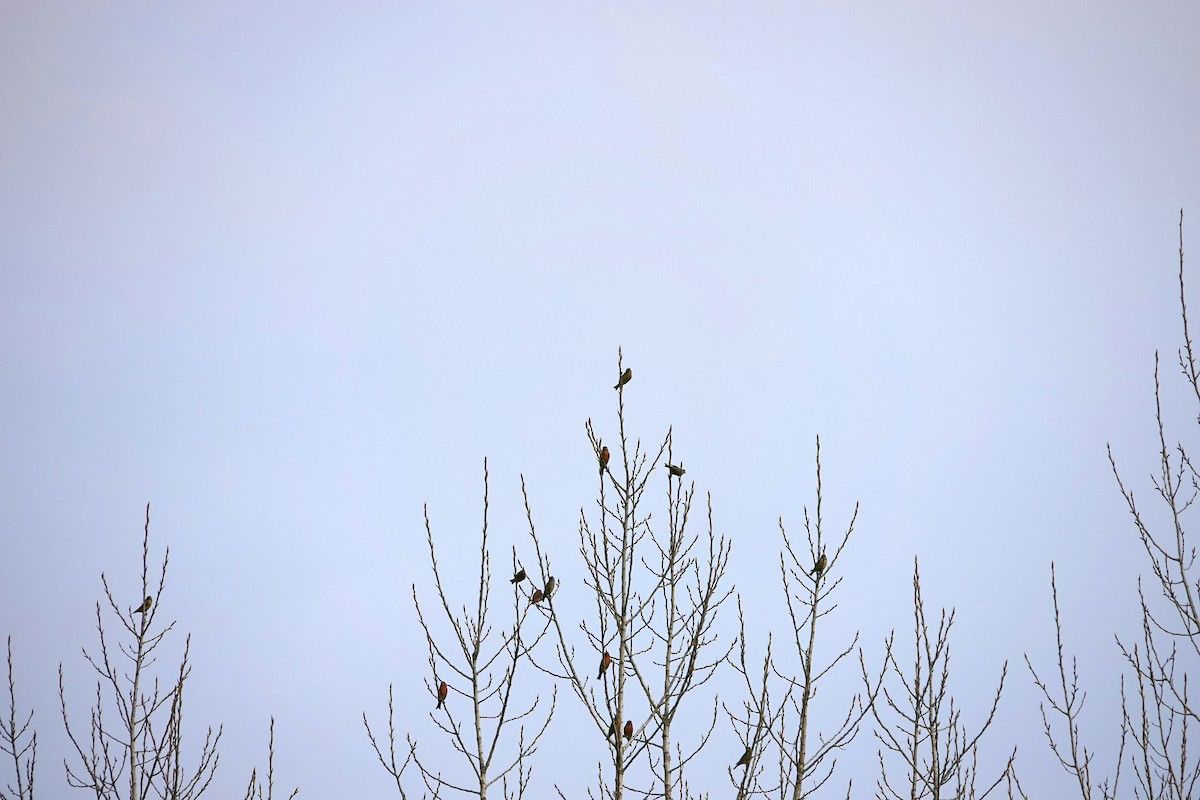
<point x="443" y="690"/>
<point x="628" y="729"/>
<point x="745" y="759"/>
<point x="549" y="587"/>
<point x="520" y="576"/>
<point x="819" y="568"/>
<point x="626" y="377"/>
<point x="675" y="471"/>
<point x="537" y="596"/>
<point x="604" y="456"/>
<point x="605" y="661"/>
<point x="145" y="606"/>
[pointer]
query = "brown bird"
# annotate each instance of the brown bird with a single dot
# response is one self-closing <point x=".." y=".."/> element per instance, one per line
<point x="549" y="587"/>
<point x="145" y="606"/>
<point x="628" y="729"/>
<point x="676" y="471"/>
<point x="604" y="456"/>
<point x="819" y="568"/>
<point x="605" y="661"/>
<point x="626" y="377"/>
<point x="537" y="596"/>
<point x="744" y="761"/>
<point x="443" y="690"/>
<point x="520" y="576"/>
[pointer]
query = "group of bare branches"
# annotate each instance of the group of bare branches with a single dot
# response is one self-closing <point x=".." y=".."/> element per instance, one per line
<point x="1158" y="711"/>
<point x="133" y="744"/>
<point x="644" y="656"/>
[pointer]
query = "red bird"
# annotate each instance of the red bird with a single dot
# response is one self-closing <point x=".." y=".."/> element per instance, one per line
<point x="628" y="729"/>
<point x="537" y="596"/>
<point x="605" y="661"/>
<point x="604" y="456"/>
<point x="443" y="690"/>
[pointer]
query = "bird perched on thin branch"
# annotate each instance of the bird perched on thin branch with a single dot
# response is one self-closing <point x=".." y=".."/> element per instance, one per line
<point x="819" y="567"/>
<point x="744" y="761"/>
<point x="626" y="377"/>
<point x="145" y="606"/>
<point x="520" y="576"/>
<point x="443" y="691"/>
<point x="549" y="587"/>
<point x="628" y="729"/>
<point x="604" y="456"/>
<point x="537" y="596"/>
<point x="675" y="471"/>
<point x="605" y="662"/>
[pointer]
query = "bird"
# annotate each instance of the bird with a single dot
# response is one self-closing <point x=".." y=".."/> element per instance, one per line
<point x="628" y="729"/>
<point x="819" y="568"/>
<point x="443" y="690"/>
<point x="145" y="606"/>
<point x="675" y="471"/>
<point x="537" y="596"/>
<point x="604" y="456"/>
<point x="549" y="587"/>
<point x="626" y="377"/>
<point x="605" y="661"/>
<point x="520" y="576"/>
<point x="745" y="759"/>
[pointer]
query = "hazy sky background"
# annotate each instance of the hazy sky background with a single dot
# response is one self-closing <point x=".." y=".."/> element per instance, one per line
<point x="290" y="271"/>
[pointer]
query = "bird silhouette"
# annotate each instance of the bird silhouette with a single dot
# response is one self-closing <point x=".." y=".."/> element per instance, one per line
<point x="819" y="567"/>
<point x="550" y="584"/>
<point x="443" y="690"/>
<point x="537" y="596"/>
<point x="744" y="761"/>
<point x="604" y="456"/>
<point x="628" y="729"/>
<point x="520" y="576"/>
<point x="626" y="377"/>
<point x="605" y="661"/>
<point x="676" y="471"/>
<point x="145" y="606"/>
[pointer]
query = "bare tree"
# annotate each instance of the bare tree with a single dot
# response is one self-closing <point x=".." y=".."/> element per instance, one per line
<point x="14" y="743"/>
<point x="142" y="750"/>
<point x="1161" y="715"/>
<point x="1064" y="704"/>
<point x="808" y="582"/>
<point x="657" y="591"/>
<point x="757" y="719"/>
<point x="255" y="790"/>
<point x="927" y="736"/>
<point x="482" y="674"/>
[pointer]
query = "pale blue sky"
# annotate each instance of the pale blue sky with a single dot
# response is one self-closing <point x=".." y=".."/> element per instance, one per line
<point x="290" y="272"/>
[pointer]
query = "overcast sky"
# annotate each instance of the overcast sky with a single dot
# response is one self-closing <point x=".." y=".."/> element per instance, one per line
<point x="288" y="272"/>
